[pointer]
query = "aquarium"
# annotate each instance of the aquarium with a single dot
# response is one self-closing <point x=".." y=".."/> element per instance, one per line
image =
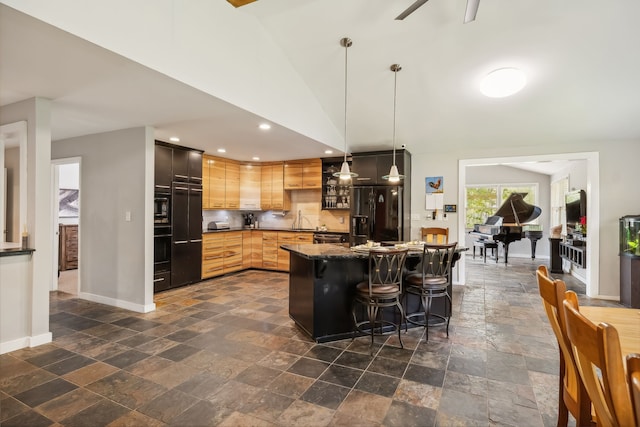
<point x="630" y="235"/>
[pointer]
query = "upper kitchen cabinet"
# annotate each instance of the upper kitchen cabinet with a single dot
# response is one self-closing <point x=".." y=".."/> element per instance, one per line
<point x="303" y="174"/>
<point x="232" y="185"/>
<point x="187" y="165"/>
<point x="213" y="182"/>
<point x="272" y="194"/>
<point x="163" y="167"/>
<point x="250" y="183"/>
<point x="372" y="166"/>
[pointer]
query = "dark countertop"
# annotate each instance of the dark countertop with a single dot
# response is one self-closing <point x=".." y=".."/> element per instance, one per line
<point x="329" y="250"/>
<point x="16" y="251"/>
<point x="302" y="230"/>
<point x="323" y="250"/>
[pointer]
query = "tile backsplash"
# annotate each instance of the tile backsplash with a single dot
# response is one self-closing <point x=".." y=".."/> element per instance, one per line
<point x="306" y="201"/>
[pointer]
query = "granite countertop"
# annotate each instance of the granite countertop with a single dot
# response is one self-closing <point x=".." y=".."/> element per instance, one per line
<point x="323" y="250"/>
<point x="330" y="250"/>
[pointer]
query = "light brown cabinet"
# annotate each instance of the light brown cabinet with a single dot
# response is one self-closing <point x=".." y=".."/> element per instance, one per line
<point x="212" y="255"/>
<point x="250" y="183"/>
<point x="232" y="185"/>
<point x="272" y="194"/>
<point x="290" y="238"/>
<point x="232" y="251"/>
<point x="247" y="250"/>
<point x="303" y="174"/>
<point x="68" y="247"/>
<point x="270" y="250"/>
<point x="213" y="182"/>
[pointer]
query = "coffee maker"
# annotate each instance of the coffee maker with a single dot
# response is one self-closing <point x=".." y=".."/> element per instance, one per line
<point x="249" y="220"/>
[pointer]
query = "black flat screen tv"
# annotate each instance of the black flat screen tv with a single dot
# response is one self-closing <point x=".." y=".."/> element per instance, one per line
<point x="576" y="207"/>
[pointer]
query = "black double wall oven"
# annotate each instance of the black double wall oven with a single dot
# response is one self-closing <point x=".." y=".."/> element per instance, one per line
<point x="177" y="216"/>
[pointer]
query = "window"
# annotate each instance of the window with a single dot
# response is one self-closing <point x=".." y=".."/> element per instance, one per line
<point x="558" y="190"/>
<point x="482" y="201"/>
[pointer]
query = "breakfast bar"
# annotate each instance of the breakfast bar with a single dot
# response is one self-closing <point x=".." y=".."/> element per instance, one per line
<point x="322" y="280"/>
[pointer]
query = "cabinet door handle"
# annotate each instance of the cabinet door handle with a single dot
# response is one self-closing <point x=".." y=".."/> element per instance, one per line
<point x="181" y="188"/>
<point x="162" y="186"/>
<point x="180" y="242"/>
<point x="161" y="279"/>
<point x="181" y="176"/>
<point x="196" y="189"/>
<point x="196" y="240"/>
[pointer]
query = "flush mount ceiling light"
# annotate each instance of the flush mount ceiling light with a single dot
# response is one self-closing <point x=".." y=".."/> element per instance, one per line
<point x="221" y="150"/>
<point x="394" y="176"/>
<point x="256" y="158"/>
<point x="503" y="82"/>
<point x="265" y="126"/>
<point x="328" y="151"/>
<point x="345" y="173"/>
<point x="174" y="139"/>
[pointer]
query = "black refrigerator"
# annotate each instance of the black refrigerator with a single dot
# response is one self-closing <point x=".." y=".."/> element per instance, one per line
<point x="377" y="214"/>
<point x="186" y="251"/>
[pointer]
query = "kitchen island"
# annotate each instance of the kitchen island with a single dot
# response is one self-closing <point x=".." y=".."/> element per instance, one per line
<point x="322" y="280"/>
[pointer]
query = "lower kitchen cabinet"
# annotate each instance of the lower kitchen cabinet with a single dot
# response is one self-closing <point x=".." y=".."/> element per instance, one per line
<point x="232" y="251"/>
<point x="247" y="251"/>
<point x="212" y="255"/>
<point x="290" y="238"/>
<point x="270" y="250"/>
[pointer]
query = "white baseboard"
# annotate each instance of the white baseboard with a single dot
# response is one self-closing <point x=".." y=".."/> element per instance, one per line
<point x="138" y="308"/>
<point x="17" y="344"/>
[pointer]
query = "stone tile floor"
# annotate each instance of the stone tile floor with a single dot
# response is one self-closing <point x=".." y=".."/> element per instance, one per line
<point x="225" y="353"/>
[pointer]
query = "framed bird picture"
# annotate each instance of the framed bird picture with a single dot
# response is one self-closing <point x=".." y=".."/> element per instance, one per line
<point x="434" y="184"/>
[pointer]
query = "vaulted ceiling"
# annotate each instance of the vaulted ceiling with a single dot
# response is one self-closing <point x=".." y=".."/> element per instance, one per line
<point x="579" y="55"/>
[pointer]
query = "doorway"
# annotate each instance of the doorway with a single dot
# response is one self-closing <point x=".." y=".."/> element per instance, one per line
<point x="66" y="225"/>
<point x="593" y="195"/>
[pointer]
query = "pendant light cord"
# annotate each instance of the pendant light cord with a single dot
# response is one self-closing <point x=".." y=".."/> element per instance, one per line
<point x="346" y="48"/>
<point x="395" y="94"/>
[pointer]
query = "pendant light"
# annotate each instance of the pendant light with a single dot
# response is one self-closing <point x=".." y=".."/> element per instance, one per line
<point x="394" y="176"/>
<point x="345" y="173"/>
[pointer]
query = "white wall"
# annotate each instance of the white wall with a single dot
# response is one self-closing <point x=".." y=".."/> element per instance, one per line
<point x="24" y="314"/>
<point x="116" y="177"/>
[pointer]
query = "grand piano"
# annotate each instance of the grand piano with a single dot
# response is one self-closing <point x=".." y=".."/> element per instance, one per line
<point x="509" y="224"/>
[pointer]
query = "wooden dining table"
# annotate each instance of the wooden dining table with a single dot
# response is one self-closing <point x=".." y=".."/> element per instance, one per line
<point x="625" y="320"/>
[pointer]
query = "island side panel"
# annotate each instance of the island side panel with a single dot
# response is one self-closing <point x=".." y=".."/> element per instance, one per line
<point x="321" y="293"/>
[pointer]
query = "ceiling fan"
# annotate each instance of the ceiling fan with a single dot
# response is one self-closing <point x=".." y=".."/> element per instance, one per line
<point x="469" y="13"/>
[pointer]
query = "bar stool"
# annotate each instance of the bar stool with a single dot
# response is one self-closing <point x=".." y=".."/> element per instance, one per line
<point x="432" y="282"/>
<point x="382" y="289"/>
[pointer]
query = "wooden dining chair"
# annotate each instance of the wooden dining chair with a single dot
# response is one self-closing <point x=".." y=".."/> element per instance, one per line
<point x="435" y="235"/>
<point x="633" y="376"/>
<point x="599" y="360"/>
<point x="572" y="396"/>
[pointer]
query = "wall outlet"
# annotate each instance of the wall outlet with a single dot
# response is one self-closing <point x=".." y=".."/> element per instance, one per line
<point x="127" y="216"/>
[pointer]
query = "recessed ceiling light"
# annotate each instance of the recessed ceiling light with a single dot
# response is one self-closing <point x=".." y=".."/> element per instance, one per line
<point x="265" y="126"/>
<point x="174" y="139"/>
<point x="503" y="82"/>
<point x="328" y="151"/>
<point x="221" y="150"/>
<point x="256" y="158"/>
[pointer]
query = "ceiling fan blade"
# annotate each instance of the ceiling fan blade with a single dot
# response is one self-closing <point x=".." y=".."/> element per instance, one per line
<point x="471" y="10"/>
<point x="411" y="9"/>
<point x="238" y="3"/>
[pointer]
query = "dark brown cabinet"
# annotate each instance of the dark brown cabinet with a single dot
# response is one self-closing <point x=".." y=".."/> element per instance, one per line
<point x="372" y="166"/>
<point x="68" y="247"/>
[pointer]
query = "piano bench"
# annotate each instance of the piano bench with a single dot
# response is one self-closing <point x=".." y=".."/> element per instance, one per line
<point x="484" y="245"/>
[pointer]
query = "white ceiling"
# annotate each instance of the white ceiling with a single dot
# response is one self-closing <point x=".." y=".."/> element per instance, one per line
<point x="580" y="57"/>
